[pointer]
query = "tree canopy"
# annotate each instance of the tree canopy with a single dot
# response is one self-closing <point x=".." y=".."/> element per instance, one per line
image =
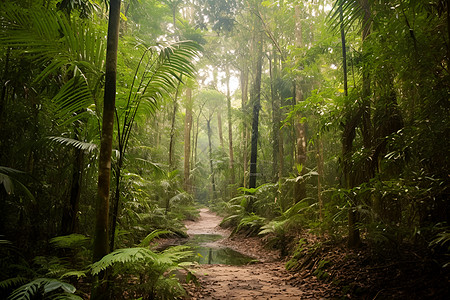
<point x="287" y="117"/>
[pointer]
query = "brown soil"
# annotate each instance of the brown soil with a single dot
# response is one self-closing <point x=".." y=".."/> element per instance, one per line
<point x="266" y="279"/>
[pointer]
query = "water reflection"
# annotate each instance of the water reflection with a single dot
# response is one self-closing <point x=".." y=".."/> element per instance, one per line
<point x="207" y="252"/>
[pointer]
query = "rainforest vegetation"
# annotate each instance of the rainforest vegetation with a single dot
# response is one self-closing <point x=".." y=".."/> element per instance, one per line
<point x="314" y="125"/>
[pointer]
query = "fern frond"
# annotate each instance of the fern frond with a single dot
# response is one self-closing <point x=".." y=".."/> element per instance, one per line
<point x="74" y="240"/>
<point x="253" y="221"/>
<point x="78" y="274"/>
<point x="124" y="256"/>
<point x="40" y="285"/>
<point x="65" y="296"/>
<point x="273" y="227"/>
<point x="12" y="282"/>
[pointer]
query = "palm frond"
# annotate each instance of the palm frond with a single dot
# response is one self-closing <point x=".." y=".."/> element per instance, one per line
<point x="48" y="37"/>
<point x="85" y="146"/>
<point x="173" y="62"/>
<point x="352" y="10"/>
<point x="155" y="167"/>
<point x="72" y="100"/>
<point x="9" y="179"/>
<point x="154" y="234"/>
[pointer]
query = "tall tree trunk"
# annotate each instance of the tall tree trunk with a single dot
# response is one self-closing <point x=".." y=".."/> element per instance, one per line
<point x="116" y="201"/>
<point x="213" y="184"/>
<point x="172" y="130"/>
<point x="256" y="102"/>
<point x="219" y="126"/>
<point x="280" y="154"/>
<point x="69" y="220"/>
<point x="100" y="247"/>
<point x="195" y="141"/>
<point x="197" y="124"/>
<point x="275" y="121"/>
<point x="348" y="136"/>
<point x="320" y="176"/>
<point x="187" y="141"/>
<point x="230" y="132"/>
<point x="300" y="129"/>
<point x="4" y="83"/>
<point x="366" y="128"/>
<point x="245" y="131"/>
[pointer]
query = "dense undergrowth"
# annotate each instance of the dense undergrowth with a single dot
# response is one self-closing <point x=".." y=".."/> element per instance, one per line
<point x="415" y="256"/>
<point x="135" y="271"/>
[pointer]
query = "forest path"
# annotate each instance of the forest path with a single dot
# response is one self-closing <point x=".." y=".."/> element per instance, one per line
<point x="263" y="280"/>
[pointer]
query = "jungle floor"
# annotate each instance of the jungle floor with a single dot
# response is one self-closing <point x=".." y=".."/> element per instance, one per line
<point x="326" y="271"/>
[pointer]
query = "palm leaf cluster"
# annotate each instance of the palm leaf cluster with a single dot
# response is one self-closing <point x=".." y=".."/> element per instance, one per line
<point x="59" y="46"/>
<point x="157" y="75"/>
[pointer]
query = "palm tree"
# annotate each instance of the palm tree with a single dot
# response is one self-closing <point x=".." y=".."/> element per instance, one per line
<point x="71" y="52"/>
<point x="159" y="72"/>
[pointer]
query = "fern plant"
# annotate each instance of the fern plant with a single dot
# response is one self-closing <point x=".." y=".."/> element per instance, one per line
<point x="45" y="288"/>
<point x="155" y="270"/>
<point x="276" y="232"/>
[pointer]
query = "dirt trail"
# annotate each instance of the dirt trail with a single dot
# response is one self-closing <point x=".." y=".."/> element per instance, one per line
<point x="266" y="280"/>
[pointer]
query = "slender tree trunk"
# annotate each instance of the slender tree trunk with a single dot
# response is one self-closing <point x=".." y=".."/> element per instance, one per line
<point x="187" y="141"/>
<point x="69" y="220"/>
<point x="280" y="155"/>
<point x="344" y="51"/>
<point x="230" y="132"/>
<point x="213" y="184"/>
<point x="300" y="129"/>
<point x="255" y="100"/>
<point x="99" y="290"/>
<point x="197" y="124"/>
<point x="348" y="136"/>
<point x="275" y="121"/>
<point x="172" y="130"/>
<point x="115" y="202"/>
<point x="320" y="176"/>
<point x="4" y="85"/>
<point x="195" y="139"/>
<point x="245" y="132"/>
<point x="219" y="126"/>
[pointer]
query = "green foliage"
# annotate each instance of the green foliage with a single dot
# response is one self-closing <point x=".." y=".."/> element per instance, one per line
<point x="442" y="242"/>
<point x="250" y="224"/>
<point x="58" y="43"/>
<point x="10" y="178"/>
<point x="153" y="268"/>
<point x="320" y="270"/>
<point x="72" y="241"/>
<point x="296" y="255"/>
<point x="89" y="147"/>
<point x="151" y="236"/>
<point x="45" y="288"/>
